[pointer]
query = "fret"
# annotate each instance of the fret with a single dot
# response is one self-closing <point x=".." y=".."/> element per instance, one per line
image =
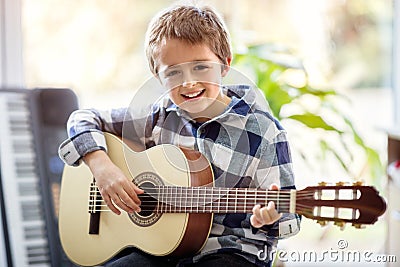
<point x="170" y="198"/>
<point x="161" y="197"/>
<point x="245" y="198"/>
<point x="211" y="199"/>
<point x="277" y="202"/>
<point x="219" y="200"/>
<point x="158" y="201"/>
<point x="191" y="200"/>
<point x="175" y="196"/>
<point x="169" y="202"/>
<point x="164" y="206"/>
<point x="227" y="201"/>
<point x="186" y="198"/>
<point x="236" y="190"/>
<point x="255" y="197"/>
<point x="204" y="194"/>
<point x="165" y="202"/>
<point x="180" y="196"/>
<point x="197" y="198"/>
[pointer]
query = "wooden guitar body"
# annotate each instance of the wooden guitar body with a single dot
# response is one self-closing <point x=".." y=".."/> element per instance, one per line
<point x="161" y="234"/>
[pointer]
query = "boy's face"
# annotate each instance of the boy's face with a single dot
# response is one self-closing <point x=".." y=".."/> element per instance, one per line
<point x="192" y="74"/>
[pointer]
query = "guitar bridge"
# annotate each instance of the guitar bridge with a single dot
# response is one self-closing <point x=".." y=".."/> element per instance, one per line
<point x="94" y="209"/>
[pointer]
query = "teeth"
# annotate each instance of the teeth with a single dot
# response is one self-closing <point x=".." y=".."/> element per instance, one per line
<point x="193" y="94"/>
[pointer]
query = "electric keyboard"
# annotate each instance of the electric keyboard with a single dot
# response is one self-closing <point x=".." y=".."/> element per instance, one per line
<point x="32" y="125"/>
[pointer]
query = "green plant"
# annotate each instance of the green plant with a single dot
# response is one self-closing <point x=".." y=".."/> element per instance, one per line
<point x="318" y="112"/>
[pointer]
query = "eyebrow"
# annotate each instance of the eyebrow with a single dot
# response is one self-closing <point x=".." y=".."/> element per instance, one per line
<point x="196" y="60"/>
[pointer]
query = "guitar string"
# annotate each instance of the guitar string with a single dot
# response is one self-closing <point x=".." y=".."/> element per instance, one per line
<point x="172" y="197"/>
<point x="145" y="207"/>
<point x="165" y="208"/>
<point x="242" y="192"/>
<point x="247" y="204"/>
<point x="187" y="210"/>
<point x="213" y="197"/>
<point x="298" y="210"/>
<point x="283" y="193"/>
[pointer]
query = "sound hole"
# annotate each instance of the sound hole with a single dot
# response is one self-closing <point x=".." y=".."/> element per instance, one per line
<point x="148" y="199"/>
<point x="148" y="215"/>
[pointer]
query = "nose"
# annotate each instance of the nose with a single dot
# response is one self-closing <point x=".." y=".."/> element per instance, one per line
<point x="189" y="84"/>
<point x="189" y="78"/>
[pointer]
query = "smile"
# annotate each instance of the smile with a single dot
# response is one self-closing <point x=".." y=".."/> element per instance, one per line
<point x="194" y="94"/>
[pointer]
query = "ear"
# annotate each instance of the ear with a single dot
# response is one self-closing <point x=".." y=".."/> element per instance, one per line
<point x="157" y="76"/>
<point x="226" y="67"/>
<point x="228" y="60"/>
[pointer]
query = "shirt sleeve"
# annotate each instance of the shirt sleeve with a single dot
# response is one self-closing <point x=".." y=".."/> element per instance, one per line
<point x="85" y="130"/>
<point x="275" y="166"/>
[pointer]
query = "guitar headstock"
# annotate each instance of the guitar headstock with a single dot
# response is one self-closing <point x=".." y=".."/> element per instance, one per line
<point x="340" y="203"/>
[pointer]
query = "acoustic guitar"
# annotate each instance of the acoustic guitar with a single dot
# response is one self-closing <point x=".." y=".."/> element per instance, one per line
<point x="179" y="202"/>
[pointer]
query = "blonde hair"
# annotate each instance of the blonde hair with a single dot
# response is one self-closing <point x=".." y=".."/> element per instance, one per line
<point x="191" y="24"/>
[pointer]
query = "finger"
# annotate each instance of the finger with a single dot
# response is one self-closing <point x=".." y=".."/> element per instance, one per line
<point x="133" y="192"/>
<point x="129" y="196"/>
<point x="117" y="201"/>
<point x="273" y="213"/>
<point x="255" y="222"/>
<point x="138" y="190"/>
<point x="255" y="219"/>
<point x="256" y="210"/>
<point x="110" y="204"/>
<point x="274" y="186"/>
<point x="265" y="216"/>
<point x="127" y="200"/>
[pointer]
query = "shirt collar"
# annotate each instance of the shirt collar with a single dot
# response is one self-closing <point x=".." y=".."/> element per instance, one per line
<point x="243" y="99"/>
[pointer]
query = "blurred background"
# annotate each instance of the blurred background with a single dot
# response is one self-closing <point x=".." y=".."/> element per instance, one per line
<point x="332" y="60"/>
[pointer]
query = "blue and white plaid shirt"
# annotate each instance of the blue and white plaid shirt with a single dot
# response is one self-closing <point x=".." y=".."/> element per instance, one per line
<point x="245" y="145"/>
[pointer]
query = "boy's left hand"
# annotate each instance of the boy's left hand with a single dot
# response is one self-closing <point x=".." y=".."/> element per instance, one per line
<point x="265" y="215"/>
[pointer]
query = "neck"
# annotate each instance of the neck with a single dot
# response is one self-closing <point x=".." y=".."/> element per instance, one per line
<point x="172" y="199"/>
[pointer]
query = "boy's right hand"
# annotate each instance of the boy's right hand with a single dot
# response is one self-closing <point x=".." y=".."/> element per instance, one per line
<point x="114" y="187"/>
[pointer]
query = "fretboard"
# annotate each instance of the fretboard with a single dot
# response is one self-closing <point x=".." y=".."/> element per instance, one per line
<point x="176" y="199"/>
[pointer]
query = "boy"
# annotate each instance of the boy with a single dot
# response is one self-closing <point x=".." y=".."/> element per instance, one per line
<point x="188" y="50"/>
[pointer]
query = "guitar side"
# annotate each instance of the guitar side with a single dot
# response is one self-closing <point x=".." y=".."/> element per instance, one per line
<point x="169" y="235"/>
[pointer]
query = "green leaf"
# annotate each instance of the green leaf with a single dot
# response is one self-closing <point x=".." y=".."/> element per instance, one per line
<point x="313" y="121"/>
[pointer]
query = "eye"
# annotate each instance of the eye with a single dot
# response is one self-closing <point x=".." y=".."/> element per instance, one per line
<point x="201" y="67"/>
<point x="172" y="73"/>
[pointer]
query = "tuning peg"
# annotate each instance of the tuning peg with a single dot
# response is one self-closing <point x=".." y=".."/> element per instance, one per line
<point x="322" y="183"/>
<point x="340" y="183"/>
<point x="358" y="183"/>
<point x="341" y="225"/>
<point x="322" y="222"/>
<point x="358" y="225"/>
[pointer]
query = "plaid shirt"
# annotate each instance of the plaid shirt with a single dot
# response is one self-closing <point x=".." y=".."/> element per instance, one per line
<point x="245" y="145"/>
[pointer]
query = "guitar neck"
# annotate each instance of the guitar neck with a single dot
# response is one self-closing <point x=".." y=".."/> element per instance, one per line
<point x="176" y="199"/>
